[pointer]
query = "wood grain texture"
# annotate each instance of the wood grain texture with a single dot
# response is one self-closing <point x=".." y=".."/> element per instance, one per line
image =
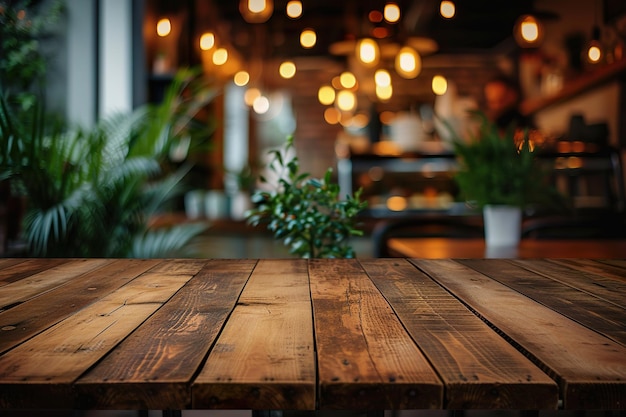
<point x="594" y="266"/>
<point x="153" y="368"/>
<point x="12" y="270"/>
<point x="366" y="358"/>
<point x="37" y="314"/>
<point x="575" y="356"/>
<point x="581" y="306"/>
<point x="35" y="284"/>
<point x="606" y="288"/>
<point x="480" y="369"/>
<point x="49" y="363"/>
<point x="264" y="358"/>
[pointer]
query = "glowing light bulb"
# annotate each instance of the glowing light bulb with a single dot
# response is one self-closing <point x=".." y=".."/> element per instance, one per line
<point x="207" y="41"/>
<point x="164" y="27"/>
<point x="220" y="56"/>
<point x="368" y="52"/>
<point x="287" y="69"/>
<point x="294" y="9"/>
<point x="308" y="38"/>
<point x="346" y="100"/>
<point x="447" y="9"/>
<point x="391" y="12"/>
<point x="347" y="80"/>
<point x="382" y="78"/>
<point x="326" y="95"/>
<point x="241" y="78"/>
<point x="528" y="31"/>
<point x="408" y="62"/>
<point x="439" y="85"/>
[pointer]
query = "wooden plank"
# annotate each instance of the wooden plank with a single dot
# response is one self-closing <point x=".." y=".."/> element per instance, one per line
<point x="264" y="358"/>
<point x="479" y="368"/>
<point x="40" y="372"/>
<point x="366" y="358"/>
<point x="589" y="368"/>
<point x="14" y="269"/>
<point x="154" y="366"/>
<point x="606" y="288"/>
<point x="595" y="267"/>
<point x="26" y="288"/>
<point x="621" y="263"/>
<point x="37" y="314"/>
<point x="581" y="306"/>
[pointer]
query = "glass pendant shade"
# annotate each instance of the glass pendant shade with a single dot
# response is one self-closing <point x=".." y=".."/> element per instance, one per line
<point x="256" y="11"/>
<point x="528" y="31"/>
<point x="367" y="52"/>
<point x="408" y="63"/>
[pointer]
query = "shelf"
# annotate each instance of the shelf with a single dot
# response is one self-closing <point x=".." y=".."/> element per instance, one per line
<point x="575" y="86"/>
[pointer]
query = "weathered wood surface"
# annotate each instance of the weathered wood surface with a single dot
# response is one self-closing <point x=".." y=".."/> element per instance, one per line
<point x="583" y="300"/>
<point x="312" y="334"/>
<point x="589" y="367"/>
<point x="480" y="369"/>
<point x="265" y="356"/>
<point x="35" y="315"/>
<point x="54" y="359"/>
<point x="366" y="358"/>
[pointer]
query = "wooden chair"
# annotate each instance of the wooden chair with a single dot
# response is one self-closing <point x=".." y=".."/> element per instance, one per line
<point x="426" y="226"/>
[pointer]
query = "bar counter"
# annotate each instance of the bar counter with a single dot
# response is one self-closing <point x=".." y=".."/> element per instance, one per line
<point x="292" y="334"/>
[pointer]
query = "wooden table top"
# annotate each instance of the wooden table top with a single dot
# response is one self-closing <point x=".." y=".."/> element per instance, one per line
<point x="440" y="248"/>
<point x="312" y="334"/>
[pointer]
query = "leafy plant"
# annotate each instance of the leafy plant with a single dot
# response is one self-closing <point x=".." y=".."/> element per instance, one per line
<point x="23" y="25"/>
<point x="306" y="213"/>
<point x="500" y="168"/>
<point x="91" y="193"/>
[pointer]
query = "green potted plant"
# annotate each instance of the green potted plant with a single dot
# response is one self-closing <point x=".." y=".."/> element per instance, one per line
<point x="306" y="213"/>
<point x="93" y="193"/>
<point x="500" y="175"/>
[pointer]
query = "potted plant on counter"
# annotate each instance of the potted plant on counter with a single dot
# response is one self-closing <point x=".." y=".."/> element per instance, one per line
<point x="306" y="213"/>
<point x="500" y="175"/>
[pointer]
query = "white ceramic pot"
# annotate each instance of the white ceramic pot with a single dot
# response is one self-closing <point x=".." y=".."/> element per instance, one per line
<point x="503" y="225"/>
<point x="240" y="202"/>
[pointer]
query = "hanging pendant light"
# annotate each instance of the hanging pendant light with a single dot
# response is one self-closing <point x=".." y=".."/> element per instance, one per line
<point x="593" y="51"/>
<point x="408" y="63"/>
<point x="367" y="52"/>
<point x="528" y="31"/>
<point x="256" y="11"/>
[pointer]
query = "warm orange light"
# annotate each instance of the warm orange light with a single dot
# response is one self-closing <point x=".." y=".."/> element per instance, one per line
<point x="367" y="52"/>
<point x="384" y="92"/>
<point x="326" y="95"/>
<point x="308" y="38"/>
<point x="346" y="100"/>
<point x="164" y="27"/>
<point x="382" y="78"/>
<point x="447" y="9"/>
<point x="261" y="105"/>
<point x="408" y="63"/>
<point x="332" y="116"/>
<point x="294" y="9"/>
<point x="439" y="85"/>
<point x="207" y="41"/>
<point x="528" y="32"/>
<point x="347" y="80"/>
<point x="220" y="56"/>
<point x="594" y="52"/>
<point x="250" y="95"/>
<point x="287" y="69"/>
<point x="256" y="11"/>
<point x="391" y="12"/>
<point x="241" y="78"/>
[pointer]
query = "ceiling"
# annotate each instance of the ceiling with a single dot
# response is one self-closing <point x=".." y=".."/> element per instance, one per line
<point x="479" y="25"/>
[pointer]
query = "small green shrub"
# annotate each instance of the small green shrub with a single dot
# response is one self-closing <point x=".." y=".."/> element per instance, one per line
<point x="306" y="213"/>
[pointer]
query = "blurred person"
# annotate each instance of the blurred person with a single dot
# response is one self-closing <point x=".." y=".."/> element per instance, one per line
<point x="502" y="100"/>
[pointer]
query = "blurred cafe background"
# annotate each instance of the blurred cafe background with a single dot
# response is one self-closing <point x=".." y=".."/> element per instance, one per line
<point x="366" y="87"/>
